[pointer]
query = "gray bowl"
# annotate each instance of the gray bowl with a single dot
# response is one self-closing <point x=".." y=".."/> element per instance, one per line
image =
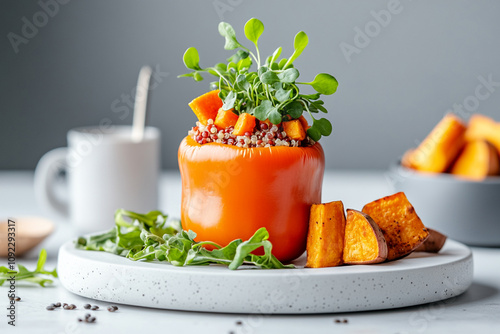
<point x="466" y="211"/>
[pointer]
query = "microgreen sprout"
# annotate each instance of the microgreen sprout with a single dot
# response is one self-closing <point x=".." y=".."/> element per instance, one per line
<point x="272" y="91"/>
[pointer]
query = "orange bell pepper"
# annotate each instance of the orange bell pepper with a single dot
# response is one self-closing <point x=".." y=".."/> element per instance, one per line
<point x="229" y="192"/>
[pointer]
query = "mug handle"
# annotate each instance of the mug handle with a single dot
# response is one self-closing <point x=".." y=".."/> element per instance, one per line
<point x="46" y="172"/>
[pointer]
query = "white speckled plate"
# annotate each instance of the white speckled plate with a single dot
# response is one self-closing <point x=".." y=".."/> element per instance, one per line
<point x="417" y="279"/>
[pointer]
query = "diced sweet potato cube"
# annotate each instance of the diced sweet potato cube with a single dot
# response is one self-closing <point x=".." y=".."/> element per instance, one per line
<point x="206" y="106"/>
<point x="245" y="123"/>
<point x="304" y="123"/>
<point x="294" y="129"/>
<point x="478" y="160"/>
<point x="364" y="242"/>
<point x="402" y="228"/>
<point x="483" y="128"/>
<point x="441" y="147"/>
<point x="225" y="118"/>
<point x="433" y="243"/>
<point x="325" y="240"/>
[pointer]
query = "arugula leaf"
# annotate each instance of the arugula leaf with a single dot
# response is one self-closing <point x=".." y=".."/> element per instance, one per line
<point x="23" y="274"/>
<point x="137" y="237"/>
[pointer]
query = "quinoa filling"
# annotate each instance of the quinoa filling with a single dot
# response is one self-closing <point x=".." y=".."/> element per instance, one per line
<point x="263" y="135"/>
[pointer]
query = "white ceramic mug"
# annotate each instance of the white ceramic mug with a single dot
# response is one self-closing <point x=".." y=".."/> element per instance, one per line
<point x="106" y="170"/>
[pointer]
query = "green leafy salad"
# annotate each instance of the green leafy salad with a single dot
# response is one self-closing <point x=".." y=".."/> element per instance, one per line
<point x="37" y="276"/>
<point x="150" y="237"/>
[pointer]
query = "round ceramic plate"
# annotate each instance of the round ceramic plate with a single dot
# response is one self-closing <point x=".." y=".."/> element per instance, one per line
<point x="416" y="279"/>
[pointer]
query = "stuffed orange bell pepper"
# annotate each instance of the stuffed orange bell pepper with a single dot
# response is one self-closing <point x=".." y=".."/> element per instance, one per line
<point x="229" y="192"/>
<point x="252" y="160"/>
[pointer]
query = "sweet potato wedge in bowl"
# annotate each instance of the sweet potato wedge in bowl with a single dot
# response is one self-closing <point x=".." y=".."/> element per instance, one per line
<point x="402" y="228"/>
<point x="364" y="242"/>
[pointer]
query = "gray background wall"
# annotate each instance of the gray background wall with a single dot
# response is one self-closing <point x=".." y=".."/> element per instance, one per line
<point x="77" y="67"/>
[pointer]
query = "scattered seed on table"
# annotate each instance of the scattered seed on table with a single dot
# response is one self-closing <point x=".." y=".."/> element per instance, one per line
<point x="111" y="309"/>
<point x="80" y="320"/>
<point x="72" y="306"/>
<point x="87" y="315"/>
<point x="115" y="307"/>
<point x="95" y="308"/>
<point x="91" y="319"/>
<point x="57" y="304"/>
<point x="50" y="308"/>
<point x="87" y="306"/>
<point x="345" y="321"/>
<point x="239" y="323"/>
<point x="65" y="305"/>
<point x="17" y="299"/>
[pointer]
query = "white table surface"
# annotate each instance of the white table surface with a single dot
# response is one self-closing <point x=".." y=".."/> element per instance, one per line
<point x="477" y="310"/>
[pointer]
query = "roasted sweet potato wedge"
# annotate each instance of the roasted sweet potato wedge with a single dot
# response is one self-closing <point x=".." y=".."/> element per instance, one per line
<point x="364" y="242"/>
<point x="433" y="243"/>
<point x="402" y="228"/>
<point x="325" y="240"/>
